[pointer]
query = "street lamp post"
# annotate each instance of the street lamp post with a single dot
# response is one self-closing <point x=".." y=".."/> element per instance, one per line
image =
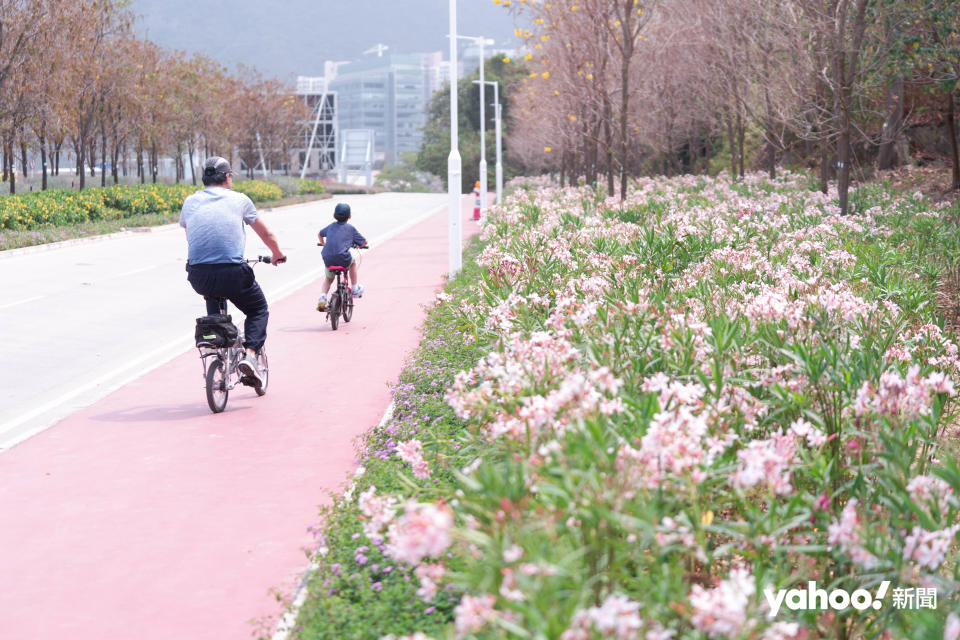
<point x="454" y="169"/>
<point x="498" y="113"/>
<point x="483" y="139"/>
<point x="480" y="40"/>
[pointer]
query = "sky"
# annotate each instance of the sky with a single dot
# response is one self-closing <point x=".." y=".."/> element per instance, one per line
<point x="287" y="38"/>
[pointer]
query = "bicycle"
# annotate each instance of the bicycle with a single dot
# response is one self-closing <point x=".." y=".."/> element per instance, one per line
<point x="221" y="348"/>
<point x="340" y="302"/>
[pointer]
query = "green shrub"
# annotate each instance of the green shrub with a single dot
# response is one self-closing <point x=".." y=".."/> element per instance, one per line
<point x="308" y="186"/>
<point x="258" y="190"/>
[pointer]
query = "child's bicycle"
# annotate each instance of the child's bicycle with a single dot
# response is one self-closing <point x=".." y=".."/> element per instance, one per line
<point x="221" y="348"/>
<point x="340" y="302"/>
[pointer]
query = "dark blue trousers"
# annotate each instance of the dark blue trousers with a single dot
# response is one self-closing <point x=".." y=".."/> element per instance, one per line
<point x="236" y="283"/>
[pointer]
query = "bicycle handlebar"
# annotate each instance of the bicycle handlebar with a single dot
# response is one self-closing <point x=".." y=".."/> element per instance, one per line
<point x="356" y="246"/>
<point x="267" y="259"/>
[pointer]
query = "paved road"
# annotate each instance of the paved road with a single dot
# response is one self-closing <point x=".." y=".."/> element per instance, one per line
<point x="145" y="516"/>
<point x="79" y="321"/>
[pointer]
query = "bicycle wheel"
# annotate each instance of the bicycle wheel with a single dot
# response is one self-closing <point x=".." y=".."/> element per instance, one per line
<point x="347" y="307"/>
<point x="264" y="371"/>
<point x="217" y="386"/>
<point x="333" y="310"/>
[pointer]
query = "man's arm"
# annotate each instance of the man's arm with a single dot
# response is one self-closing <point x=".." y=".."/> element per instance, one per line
<point x="270" y="240"/>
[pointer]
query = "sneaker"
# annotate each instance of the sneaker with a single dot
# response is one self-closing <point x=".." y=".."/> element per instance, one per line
<point x="358" y="291"/>
<point x="248" y="372"/>
<point x="322" y="302"/>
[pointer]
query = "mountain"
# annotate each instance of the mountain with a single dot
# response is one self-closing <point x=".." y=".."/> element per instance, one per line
<point x="287" y="38"/>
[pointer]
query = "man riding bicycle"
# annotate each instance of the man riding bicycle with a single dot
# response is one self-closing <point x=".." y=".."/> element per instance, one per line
<point x="214" y="221"/>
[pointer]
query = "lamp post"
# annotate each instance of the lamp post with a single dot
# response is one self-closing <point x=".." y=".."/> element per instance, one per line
<point x="497" y="107"/>
<point x="453" y="160"/>
<point x="480" y="40"/>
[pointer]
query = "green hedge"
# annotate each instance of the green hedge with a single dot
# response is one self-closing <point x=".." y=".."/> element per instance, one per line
<point x="258" y="190"/>
<point x="66" y="207"/>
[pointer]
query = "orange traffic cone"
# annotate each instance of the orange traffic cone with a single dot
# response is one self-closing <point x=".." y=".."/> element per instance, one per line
<point x="476" y="201"/>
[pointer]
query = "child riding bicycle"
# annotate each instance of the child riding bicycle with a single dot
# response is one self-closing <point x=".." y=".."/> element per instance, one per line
<point x="337" y="238"/>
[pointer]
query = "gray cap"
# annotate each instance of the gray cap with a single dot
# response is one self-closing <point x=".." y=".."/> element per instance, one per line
<point x="216" y="164"/>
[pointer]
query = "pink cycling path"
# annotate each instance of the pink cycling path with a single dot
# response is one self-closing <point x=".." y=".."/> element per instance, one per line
<point x="145" y="516"/>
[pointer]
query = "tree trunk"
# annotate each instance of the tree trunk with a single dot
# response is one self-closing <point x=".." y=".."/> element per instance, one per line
<point x="80" y="160"/>
<point x="731" y="139"/>
<point x="772" y="160"/>
<point x="6" y="175"/>
<point x="43" y="155"/>
<point x="563" y="166"/>
<point x="23" y="156"/>
<point x="193" y="167"/>
<point x="740" y="135"/>
<point x="824" y="166"/>
<point x="887" y="157"/>
<point x="624" y="110"/>
<point x="13" y="169"/>
<point x="115" y="162"/>
<point x="92" y="162"/>
<point x="608" y="143"/>
<point x="103" y="155"/>
<point x="154" y="160"/>
<point x="952" y="128"/>
<point x="706" y="154"/>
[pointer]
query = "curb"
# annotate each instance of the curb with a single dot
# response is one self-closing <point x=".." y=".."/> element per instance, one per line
<point x="289" y="619"/>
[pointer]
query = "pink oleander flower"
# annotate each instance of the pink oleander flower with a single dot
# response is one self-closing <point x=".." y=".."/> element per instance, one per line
<point x="473" y="613"/>
<point x="423" y="530"/>
<point x="904" y="397"/>
<point x="767" y="462"/>
<point x="803" y="429"/>
<point x="411" y="451"/>
<point x="781" y="631"/>
<point x="928" y="548"/>
<point x="617" y="617"/>
<point x="512" y="554"/>
<point x="430" y="576"/>
<point x="940" y="383"/>
<point x="928" y="489"/>
<point x="952" y="629"/>
<point x="670" y="532"/>
<point x="722" y="611"/>
<point x="379" y="512"/>
<point x="846" y="534"/>
<point x="508" y="586"/>
<point x="675" y="444"/>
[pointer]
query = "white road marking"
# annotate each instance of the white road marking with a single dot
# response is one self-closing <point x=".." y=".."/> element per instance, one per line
<point x="24" y="301"/>
<point x="131" y="371"/>
<point x="130" y="273"/>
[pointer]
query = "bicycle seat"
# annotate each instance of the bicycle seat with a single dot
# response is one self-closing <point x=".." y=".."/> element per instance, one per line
<point x="337" y="268"/>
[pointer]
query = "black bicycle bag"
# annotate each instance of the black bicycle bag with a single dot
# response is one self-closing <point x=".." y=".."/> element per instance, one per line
<point x="215" y="330"/>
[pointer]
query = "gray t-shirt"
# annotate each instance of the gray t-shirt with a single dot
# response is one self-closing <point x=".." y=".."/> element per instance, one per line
<point x="214" y="221"/>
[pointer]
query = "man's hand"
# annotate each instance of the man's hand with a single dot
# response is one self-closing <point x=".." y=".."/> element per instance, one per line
<point x="275" y="259"/>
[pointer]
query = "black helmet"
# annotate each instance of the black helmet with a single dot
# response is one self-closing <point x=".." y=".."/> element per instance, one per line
<point x="342" y="211"/>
